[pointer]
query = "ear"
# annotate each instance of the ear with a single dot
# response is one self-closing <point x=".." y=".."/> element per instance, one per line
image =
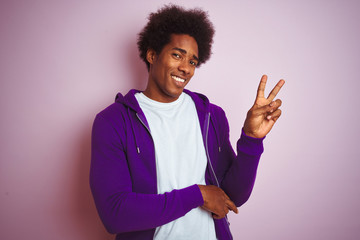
<point x="150" y="55"/>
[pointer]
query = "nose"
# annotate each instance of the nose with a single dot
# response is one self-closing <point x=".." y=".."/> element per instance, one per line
<point x="185" y="67"/>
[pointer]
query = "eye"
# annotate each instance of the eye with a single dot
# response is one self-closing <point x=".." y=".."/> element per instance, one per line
<point x="176" y="55"/>
<point x="193" y="63"/>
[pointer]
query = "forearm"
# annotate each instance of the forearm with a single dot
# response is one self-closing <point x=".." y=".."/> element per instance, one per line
<point x="239" y="180"/>
<point x="129" y="211"/>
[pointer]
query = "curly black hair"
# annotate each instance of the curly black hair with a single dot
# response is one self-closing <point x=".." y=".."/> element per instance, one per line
<point x="173" y="19"/>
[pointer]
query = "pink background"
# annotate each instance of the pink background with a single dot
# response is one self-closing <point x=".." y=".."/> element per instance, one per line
<point x="61" y="62"/>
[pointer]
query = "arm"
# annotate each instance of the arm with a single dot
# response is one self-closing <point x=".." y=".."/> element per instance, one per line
<point x="120" y="209"/>
<point x="239" y="180"/>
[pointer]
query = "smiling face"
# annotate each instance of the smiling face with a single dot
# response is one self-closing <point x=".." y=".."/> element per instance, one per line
<point x="171" y="70"/>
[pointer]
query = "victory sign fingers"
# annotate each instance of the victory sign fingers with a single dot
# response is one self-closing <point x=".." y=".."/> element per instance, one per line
<point x="265" y="111"/>
<point x="261" y="89"/>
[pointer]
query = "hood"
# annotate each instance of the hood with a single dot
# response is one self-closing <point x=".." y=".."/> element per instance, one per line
<point x="129" y="100"/>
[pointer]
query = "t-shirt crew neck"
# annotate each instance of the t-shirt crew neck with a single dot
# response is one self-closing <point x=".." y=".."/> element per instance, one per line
<point x="159" y="105"/>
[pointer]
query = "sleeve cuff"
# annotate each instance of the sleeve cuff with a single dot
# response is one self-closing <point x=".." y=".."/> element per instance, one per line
<point x="250" y="145"/>
<point x="192" y="197"/>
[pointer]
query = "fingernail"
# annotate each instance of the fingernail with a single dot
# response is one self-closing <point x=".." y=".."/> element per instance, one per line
<point x="268" y="117"/>
<point x="272" y="104"/>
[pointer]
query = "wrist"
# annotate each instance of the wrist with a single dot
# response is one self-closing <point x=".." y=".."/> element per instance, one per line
<point x="203" y="192"/>
<point x="248" y="133"/>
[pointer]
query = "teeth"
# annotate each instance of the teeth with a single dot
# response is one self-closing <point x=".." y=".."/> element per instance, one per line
<point x="178" y="79"/>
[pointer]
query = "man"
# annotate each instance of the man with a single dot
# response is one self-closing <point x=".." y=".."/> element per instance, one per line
<point x="162" y="164"/>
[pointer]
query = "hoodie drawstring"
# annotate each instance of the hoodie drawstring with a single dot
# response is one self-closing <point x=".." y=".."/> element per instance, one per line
<point x="132" y="128"/>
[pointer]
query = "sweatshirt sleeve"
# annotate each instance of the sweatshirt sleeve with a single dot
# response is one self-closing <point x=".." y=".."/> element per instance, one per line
<point x="240" y="177"/>
<point x="121" y="209"/>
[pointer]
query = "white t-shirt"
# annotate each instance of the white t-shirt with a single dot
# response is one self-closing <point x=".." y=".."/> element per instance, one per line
<point x="180" y="161"/>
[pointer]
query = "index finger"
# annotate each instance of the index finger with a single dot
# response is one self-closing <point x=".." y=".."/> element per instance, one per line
<point x="275" y="90"/>
<point x="231" y="205"/>
<point x="261" y="88"/>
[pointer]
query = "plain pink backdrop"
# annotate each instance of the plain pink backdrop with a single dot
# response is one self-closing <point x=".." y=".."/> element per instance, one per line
<point x="61" y="62"/>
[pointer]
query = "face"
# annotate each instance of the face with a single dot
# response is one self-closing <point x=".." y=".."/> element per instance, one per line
<point x="171" y="70"/>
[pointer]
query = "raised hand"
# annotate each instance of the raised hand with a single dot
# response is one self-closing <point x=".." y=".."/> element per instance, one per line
<point x="263" y="114"/>
<point x="216" y="201"/>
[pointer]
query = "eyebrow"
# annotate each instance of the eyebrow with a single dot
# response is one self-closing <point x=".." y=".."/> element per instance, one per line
<point x="183" y="51"/>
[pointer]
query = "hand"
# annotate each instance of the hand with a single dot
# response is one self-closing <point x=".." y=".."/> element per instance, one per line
<point x="216" y="201"/>
<point x="263" y="114"/>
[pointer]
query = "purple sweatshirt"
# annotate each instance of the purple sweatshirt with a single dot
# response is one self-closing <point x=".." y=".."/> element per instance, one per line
<point x="123" y="169"/>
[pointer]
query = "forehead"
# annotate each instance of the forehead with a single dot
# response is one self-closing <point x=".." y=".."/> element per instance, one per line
<point x="183" y="41"/>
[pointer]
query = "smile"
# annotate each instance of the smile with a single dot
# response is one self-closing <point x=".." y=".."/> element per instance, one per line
<point x="178" y="79"/>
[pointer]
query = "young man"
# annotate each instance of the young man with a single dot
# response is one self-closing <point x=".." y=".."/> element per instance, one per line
<point x="162" y="165"/>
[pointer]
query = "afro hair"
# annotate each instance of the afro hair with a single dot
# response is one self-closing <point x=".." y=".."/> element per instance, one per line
<point x="172" y="19"/>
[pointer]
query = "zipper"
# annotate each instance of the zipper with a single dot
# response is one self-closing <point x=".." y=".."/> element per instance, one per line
<point x="137" y="115"/>
<point x="207" y="150"/>
<point x="212" y="170"/>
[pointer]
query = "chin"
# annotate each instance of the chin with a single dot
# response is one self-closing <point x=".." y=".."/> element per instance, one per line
<point x="175" y="94"/>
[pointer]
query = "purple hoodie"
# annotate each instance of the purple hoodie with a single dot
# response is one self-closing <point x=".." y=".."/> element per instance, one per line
<point x="123" y="171"/>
